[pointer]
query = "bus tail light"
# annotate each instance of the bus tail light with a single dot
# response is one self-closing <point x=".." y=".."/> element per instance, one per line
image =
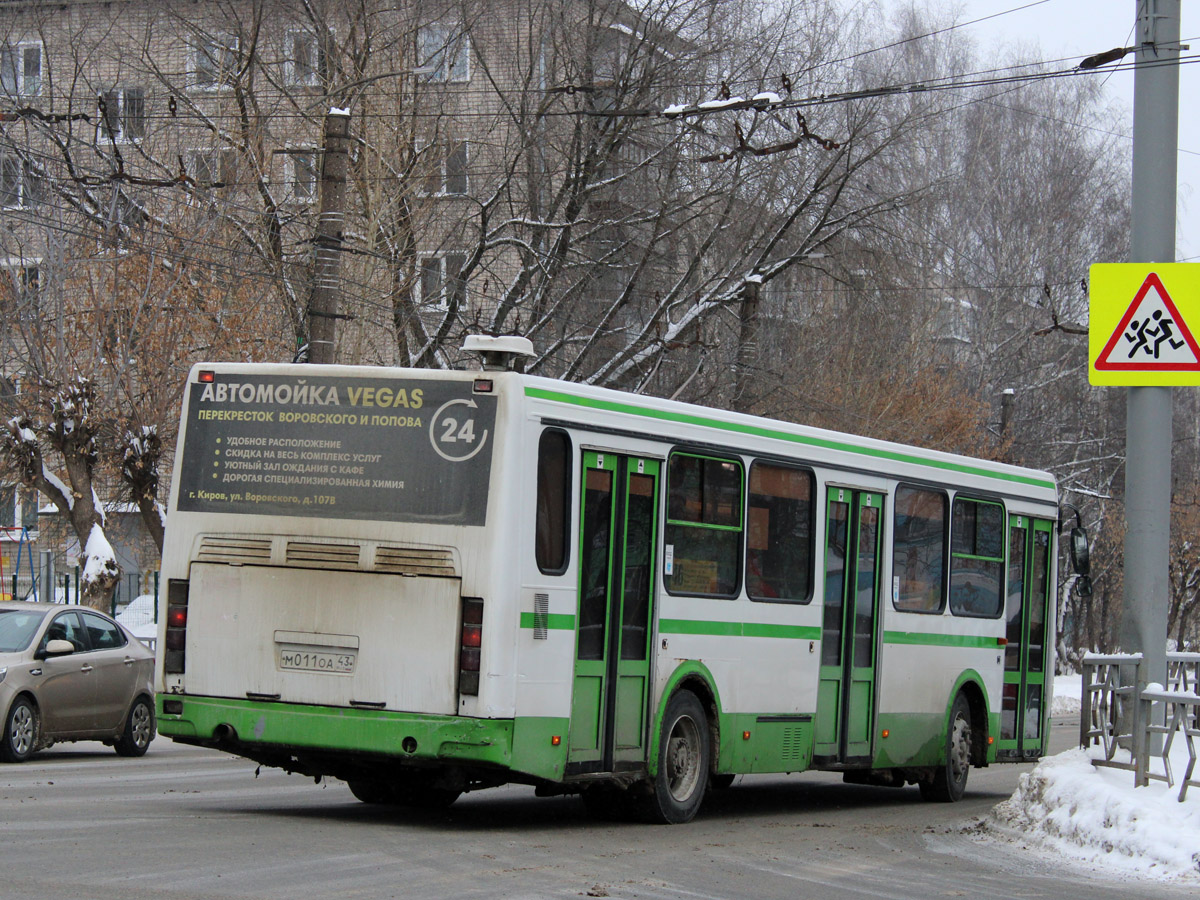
<point x="176" y="637"/>
<point x="470" y="645"/>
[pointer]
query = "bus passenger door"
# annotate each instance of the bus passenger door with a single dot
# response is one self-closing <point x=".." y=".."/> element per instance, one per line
<point x="1026" y="610"/>
<point x="610" y="696"/>
<point x="846" y="691"/>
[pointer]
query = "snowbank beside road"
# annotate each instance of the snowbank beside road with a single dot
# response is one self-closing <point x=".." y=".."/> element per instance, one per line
<point x="1068" y="807"/>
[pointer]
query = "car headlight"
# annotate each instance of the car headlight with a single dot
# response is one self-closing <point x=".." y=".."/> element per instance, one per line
<point x="3" y="672"/>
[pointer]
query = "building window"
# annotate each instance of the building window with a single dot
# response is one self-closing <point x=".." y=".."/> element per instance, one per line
<point x="302" y="175"/>
<point x="213" y="168"/>
<point x="441" y="280"/>
<point x="20" y="186"/>
<point x="122" y="114"/>
<point x="445" y="53"/>
<point x="304" y="59"/>
<point x="919" y="550"/>
<point x="20" y="283"/>
<point x="21" y="278"/>
<point x="704" y="525"/>
<point x="18" y="509"/>
<point x="447" y="175"/>
<point x="976" y="558"/>
<point x="21" y="69"/>
<point x="215" y="61"/>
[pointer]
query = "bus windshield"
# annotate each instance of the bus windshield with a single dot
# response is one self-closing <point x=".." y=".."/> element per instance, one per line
<point x="368" y="447"/>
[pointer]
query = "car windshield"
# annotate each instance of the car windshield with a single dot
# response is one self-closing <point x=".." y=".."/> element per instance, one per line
<point x="17" y="628"/>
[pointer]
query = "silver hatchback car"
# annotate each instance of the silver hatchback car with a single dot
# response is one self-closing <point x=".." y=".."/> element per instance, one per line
<point x="70" y="673"/>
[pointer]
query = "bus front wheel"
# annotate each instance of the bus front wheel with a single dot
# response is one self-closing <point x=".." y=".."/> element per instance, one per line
<point x="949" y="781"/>
<point x="683" y="754"/>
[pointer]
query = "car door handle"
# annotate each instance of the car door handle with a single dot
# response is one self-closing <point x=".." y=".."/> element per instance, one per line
<point x="85" y="668"/>
<point x="129" y="660"/>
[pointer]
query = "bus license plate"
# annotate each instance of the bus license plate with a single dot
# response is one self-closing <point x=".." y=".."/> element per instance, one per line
<point x="306" y="660"/>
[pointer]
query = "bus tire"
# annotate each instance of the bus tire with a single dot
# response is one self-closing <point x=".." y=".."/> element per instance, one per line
<point x="949" y="781"/>
<point x="411" y="792"/>
<point x="20" y="731"/>
<point x="370" y="791"/>
<point x="607" y="803"/>
<point x="675" y="794"/>
<point x="418" y="791"/>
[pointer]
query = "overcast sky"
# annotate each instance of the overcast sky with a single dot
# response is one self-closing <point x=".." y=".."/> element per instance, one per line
<point x="1079" y="28"/>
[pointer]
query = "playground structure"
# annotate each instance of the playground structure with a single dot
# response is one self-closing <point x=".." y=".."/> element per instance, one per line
<point x="16" y="553"/>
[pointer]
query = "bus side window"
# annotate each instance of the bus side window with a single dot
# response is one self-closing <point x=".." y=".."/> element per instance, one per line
<point x="976" y="558"/>
<point x="553" y="502"/>
<point x="704" y="525"/>
<point x="779" y="530"/>
<point x="919" y="550"/>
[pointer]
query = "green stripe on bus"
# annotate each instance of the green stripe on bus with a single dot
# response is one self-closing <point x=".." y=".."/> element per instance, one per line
<point x="939" y="640"/>
<point x="554" y="621"/>
<point x="739" y="629"/>
<point x="760" y="431"/>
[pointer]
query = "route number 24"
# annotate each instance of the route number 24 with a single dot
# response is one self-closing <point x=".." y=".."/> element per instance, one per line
<point x="453" y="432"/>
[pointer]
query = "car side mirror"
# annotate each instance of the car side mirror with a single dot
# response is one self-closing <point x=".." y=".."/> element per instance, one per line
<point x="1081" y="555"/>
<point x="56" y="647"/>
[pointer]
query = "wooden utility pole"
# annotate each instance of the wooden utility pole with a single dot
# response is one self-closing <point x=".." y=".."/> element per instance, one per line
<point x="326" y="285"/>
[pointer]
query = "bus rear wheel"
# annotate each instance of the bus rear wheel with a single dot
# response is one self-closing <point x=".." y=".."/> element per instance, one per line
<point x="949" y="782"/>
<point x="370" y="791"/>
<point x="675" y="794"/>
<point x="421" y="792"/>
<point x="416" y="791"/>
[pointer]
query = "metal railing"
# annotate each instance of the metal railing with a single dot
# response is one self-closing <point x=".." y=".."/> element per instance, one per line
<point x="1117" y="714"/>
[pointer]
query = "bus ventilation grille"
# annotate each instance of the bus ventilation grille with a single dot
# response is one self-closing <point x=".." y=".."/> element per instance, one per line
<point x="414" y="561"/>
<point x="541" y="616"/>
<point x="333" y="556"/>
<point x="235" y="551"/>
<point x="793" y="743"/>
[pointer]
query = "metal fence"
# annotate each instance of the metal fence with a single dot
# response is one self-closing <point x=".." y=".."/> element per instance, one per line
<point x="1146" y="721"/>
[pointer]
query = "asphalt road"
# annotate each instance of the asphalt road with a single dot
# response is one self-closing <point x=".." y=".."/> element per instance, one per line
<point x="80" y="822"/>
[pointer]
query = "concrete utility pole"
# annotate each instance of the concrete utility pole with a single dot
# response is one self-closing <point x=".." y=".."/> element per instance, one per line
<point x="1148" y="412"/>
<point x="326" y="288"/>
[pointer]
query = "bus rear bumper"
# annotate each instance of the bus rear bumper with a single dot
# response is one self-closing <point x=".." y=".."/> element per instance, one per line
<point x="265" y="731"/>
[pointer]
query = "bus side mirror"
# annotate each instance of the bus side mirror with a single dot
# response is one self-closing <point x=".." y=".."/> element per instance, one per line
<point x="1081" y="556"/>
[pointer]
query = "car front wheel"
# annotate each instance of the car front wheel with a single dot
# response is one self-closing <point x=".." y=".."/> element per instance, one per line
<point x="20" y="731"/>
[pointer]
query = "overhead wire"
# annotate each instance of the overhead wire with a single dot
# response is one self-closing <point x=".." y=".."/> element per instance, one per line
<point x="951" y="82"/>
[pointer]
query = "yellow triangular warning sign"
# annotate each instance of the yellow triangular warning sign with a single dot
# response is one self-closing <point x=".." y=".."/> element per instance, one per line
<point x="1151" y="336"/>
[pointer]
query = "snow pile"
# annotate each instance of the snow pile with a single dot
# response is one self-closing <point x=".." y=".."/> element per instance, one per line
<point x="1067" y="691"/>
<point x="138" y="611"/>
<point x="138" y="617"/>
<point x="1095" y="815"/>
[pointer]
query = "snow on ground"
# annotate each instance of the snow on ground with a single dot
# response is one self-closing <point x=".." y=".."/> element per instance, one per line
<point x="1068" y="807"/>
<point x="138" y="616"/>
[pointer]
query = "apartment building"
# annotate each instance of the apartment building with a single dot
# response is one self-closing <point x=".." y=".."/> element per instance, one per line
<point x="483" y="162"/>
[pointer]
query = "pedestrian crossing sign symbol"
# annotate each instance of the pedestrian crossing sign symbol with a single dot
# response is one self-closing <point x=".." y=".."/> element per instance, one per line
<point x="1138" y="331"/>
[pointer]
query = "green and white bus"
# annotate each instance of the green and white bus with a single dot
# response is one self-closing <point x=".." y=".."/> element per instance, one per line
<point x="429" y="582"/>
